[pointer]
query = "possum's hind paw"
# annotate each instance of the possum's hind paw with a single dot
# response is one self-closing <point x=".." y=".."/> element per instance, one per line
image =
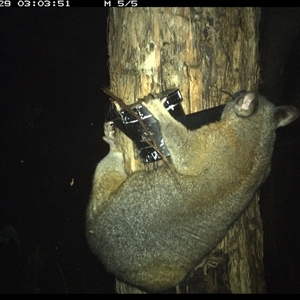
<point x="111" y="138"/>
<point x="109" y="132"/>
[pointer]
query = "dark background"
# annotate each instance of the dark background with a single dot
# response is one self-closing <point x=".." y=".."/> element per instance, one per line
<point x="53" y="66"/>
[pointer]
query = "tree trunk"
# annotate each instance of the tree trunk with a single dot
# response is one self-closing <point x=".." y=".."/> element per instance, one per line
<point x="200" y="51"/>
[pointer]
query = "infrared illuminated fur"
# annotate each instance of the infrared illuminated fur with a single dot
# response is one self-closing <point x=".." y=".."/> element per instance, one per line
<point x="151" y="228"/>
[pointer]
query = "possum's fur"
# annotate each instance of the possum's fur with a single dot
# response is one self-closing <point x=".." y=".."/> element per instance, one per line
<point x="151" y="228"/>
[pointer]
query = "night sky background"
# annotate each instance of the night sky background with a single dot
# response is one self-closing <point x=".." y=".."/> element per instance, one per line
<point x="53" y="66"/>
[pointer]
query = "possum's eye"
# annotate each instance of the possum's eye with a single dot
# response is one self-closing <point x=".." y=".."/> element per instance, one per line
<point x="246" y="104"/>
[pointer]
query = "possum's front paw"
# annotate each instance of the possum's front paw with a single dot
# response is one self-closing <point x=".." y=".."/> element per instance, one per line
<point x="156" y="107"/>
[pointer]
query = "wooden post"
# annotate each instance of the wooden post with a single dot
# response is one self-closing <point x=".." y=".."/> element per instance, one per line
<point x="200" y="51"/>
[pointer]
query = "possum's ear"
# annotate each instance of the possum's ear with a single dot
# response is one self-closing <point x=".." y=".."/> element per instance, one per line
<point x="246" y="104"/>
<point x="285" y="114"/>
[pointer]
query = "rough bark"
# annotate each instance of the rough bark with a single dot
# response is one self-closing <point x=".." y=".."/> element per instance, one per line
<point x="201" y="51"/>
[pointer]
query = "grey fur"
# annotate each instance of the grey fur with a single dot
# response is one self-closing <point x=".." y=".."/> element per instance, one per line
<point x="151" y="228"/>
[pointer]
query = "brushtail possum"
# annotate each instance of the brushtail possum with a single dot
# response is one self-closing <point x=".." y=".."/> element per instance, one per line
<point x="151" y="228"/>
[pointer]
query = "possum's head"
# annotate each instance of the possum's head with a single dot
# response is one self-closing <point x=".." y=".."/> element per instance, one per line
<point x="252" y="106"/>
